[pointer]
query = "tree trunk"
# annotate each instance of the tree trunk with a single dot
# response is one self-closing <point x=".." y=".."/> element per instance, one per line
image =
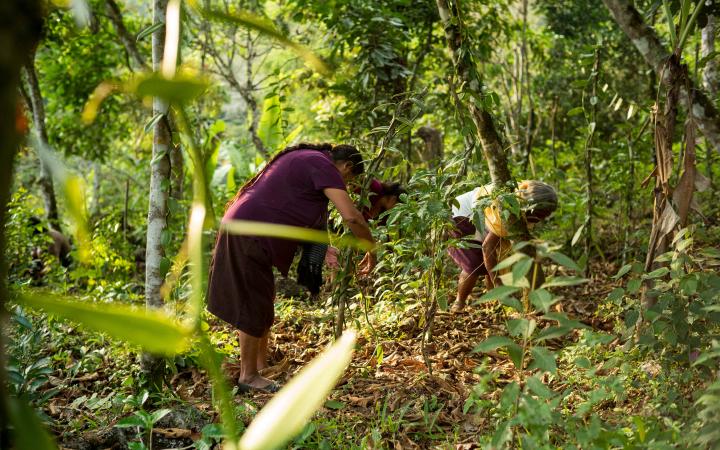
<point x="468" y="74"/>
<point x="21" y="22"/>
<point x="158" y="204"/>
<point x="648" y="44"/>
<point x="127" y="40"/>
<point x="710" y="72"/>
<point x="588" y="166"/>
<point x="432" y="138"/>
<point x="38" y="110"/>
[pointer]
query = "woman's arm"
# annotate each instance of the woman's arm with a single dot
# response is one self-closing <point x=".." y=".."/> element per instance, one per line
<point x="490" y="247"/>
<point x="354" y="219"/>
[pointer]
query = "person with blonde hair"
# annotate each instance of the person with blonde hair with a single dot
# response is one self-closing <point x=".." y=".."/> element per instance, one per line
<point x="538" y="201"/>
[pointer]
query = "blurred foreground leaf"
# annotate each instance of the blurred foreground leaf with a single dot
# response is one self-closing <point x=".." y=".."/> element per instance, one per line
<point x="251" y="228"/>
<point x="28" y="432"/>
<point x="153" y="331"/>
<point x="286" y="414"/>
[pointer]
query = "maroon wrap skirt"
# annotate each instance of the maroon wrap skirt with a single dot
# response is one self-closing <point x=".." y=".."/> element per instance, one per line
<point x="241" y="288"/>
<point x="470" y="260"/>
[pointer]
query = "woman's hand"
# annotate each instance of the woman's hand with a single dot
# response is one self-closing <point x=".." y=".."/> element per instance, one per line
<point x="367" y="264"/>
<point x="331" y="258"/>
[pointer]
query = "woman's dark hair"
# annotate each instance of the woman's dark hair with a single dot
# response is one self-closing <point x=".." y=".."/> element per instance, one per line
<point x="393" y="189"/>
<point x="341" y="152"/>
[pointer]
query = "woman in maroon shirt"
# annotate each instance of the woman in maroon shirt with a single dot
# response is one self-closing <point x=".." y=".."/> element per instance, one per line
<point x="292" y="189"/>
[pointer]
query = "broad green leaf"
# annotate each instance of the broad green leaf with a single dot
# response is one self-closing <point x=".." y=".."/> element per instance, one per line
<point x="498" y="293"/>
<point x="270" y="128"/>
<point x="552" y="333"/>
<point x="516" y="354"/>
<point x="616" y="294"/>
<point x="334" y="404"/>
<point x="521" y="327"/>
<point x="564" y="281"/>
<point x="575" y="111"/>
<point x="513" y="303"/>
<point x="29" y="433"/>
<point x="521" y="269"/>
<point x="251" y="21"/>
<point x="493" y="343"/>
<point x="539" y="388"/>
<point x="180" y="89"/>
<point x="251" y="228"/>
<point x="153" y="331"/>
<point x="633" y="286"/>
<point x="542" y="299"/>
<point x="657" y="273"/>
<point x="287" y="413"/>
<point x="509" y="261"/>
<point x="623" y="270"/>
<point x="564" y="261"/>
<point x="544" y="359"/>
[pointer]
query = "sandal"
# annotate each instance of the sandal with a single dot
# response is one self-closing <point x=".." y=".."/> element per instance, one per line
<point x="269" y="389"/>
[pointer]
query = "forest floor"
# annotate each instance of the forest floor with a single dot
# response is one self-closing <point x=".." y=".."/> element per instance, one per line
<point x="387" y="398"/>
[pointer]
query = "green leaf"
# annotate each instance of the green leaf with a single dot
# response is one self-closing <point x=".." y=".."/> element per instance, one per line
<point x="152" y="122"/>
<point x="509" y="261"/>
<point x="544" y="359"/>
<point x="149" y="30"/>
<point x="334" y="404"/>
<point x="616" y="294"/>
<point x="552" y="333"/>
<point x="493" y="343"/>
<point x="564" y="261"/>
<point x="270" y="128"/>
<point x="153" y="331"/>
<point x="539" y="388"/>
<point x="512" y="303"/>
<point x="657" y="273"/>
<point x="564" y="281"/>
<point x="498" y="293"/>
<point x="29" y="433"/>
<point x="131" y="421"/>
<point x="520" y="269"/>
<point x="575" y="111"/>
<point x="542" y="299"/>
<point x="286" y="413"/>
<point x="521" y="327"/>
<point x="180" y="89"/>
<point x="516" y="353"/>
<point x="633" y="286"/>
<point x="159" y="414"/>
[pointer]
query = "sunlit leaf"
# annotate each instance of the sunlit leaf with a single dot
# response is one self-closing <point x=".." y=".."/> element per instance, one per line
<point x="564" y="261"/>
<point x="180" y="89"/>
<point x="251" y="228"/>
<point x="270" y="129"/>
<point x="509" y="261"/>
<point x="286" y="414"/>
<point x="92" y="106"/>
<point x="153" y="331"/>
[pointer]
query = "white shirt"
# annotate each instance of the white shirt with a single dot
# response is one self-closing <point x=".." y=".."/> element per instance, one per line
<point x="466" y="203"/>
